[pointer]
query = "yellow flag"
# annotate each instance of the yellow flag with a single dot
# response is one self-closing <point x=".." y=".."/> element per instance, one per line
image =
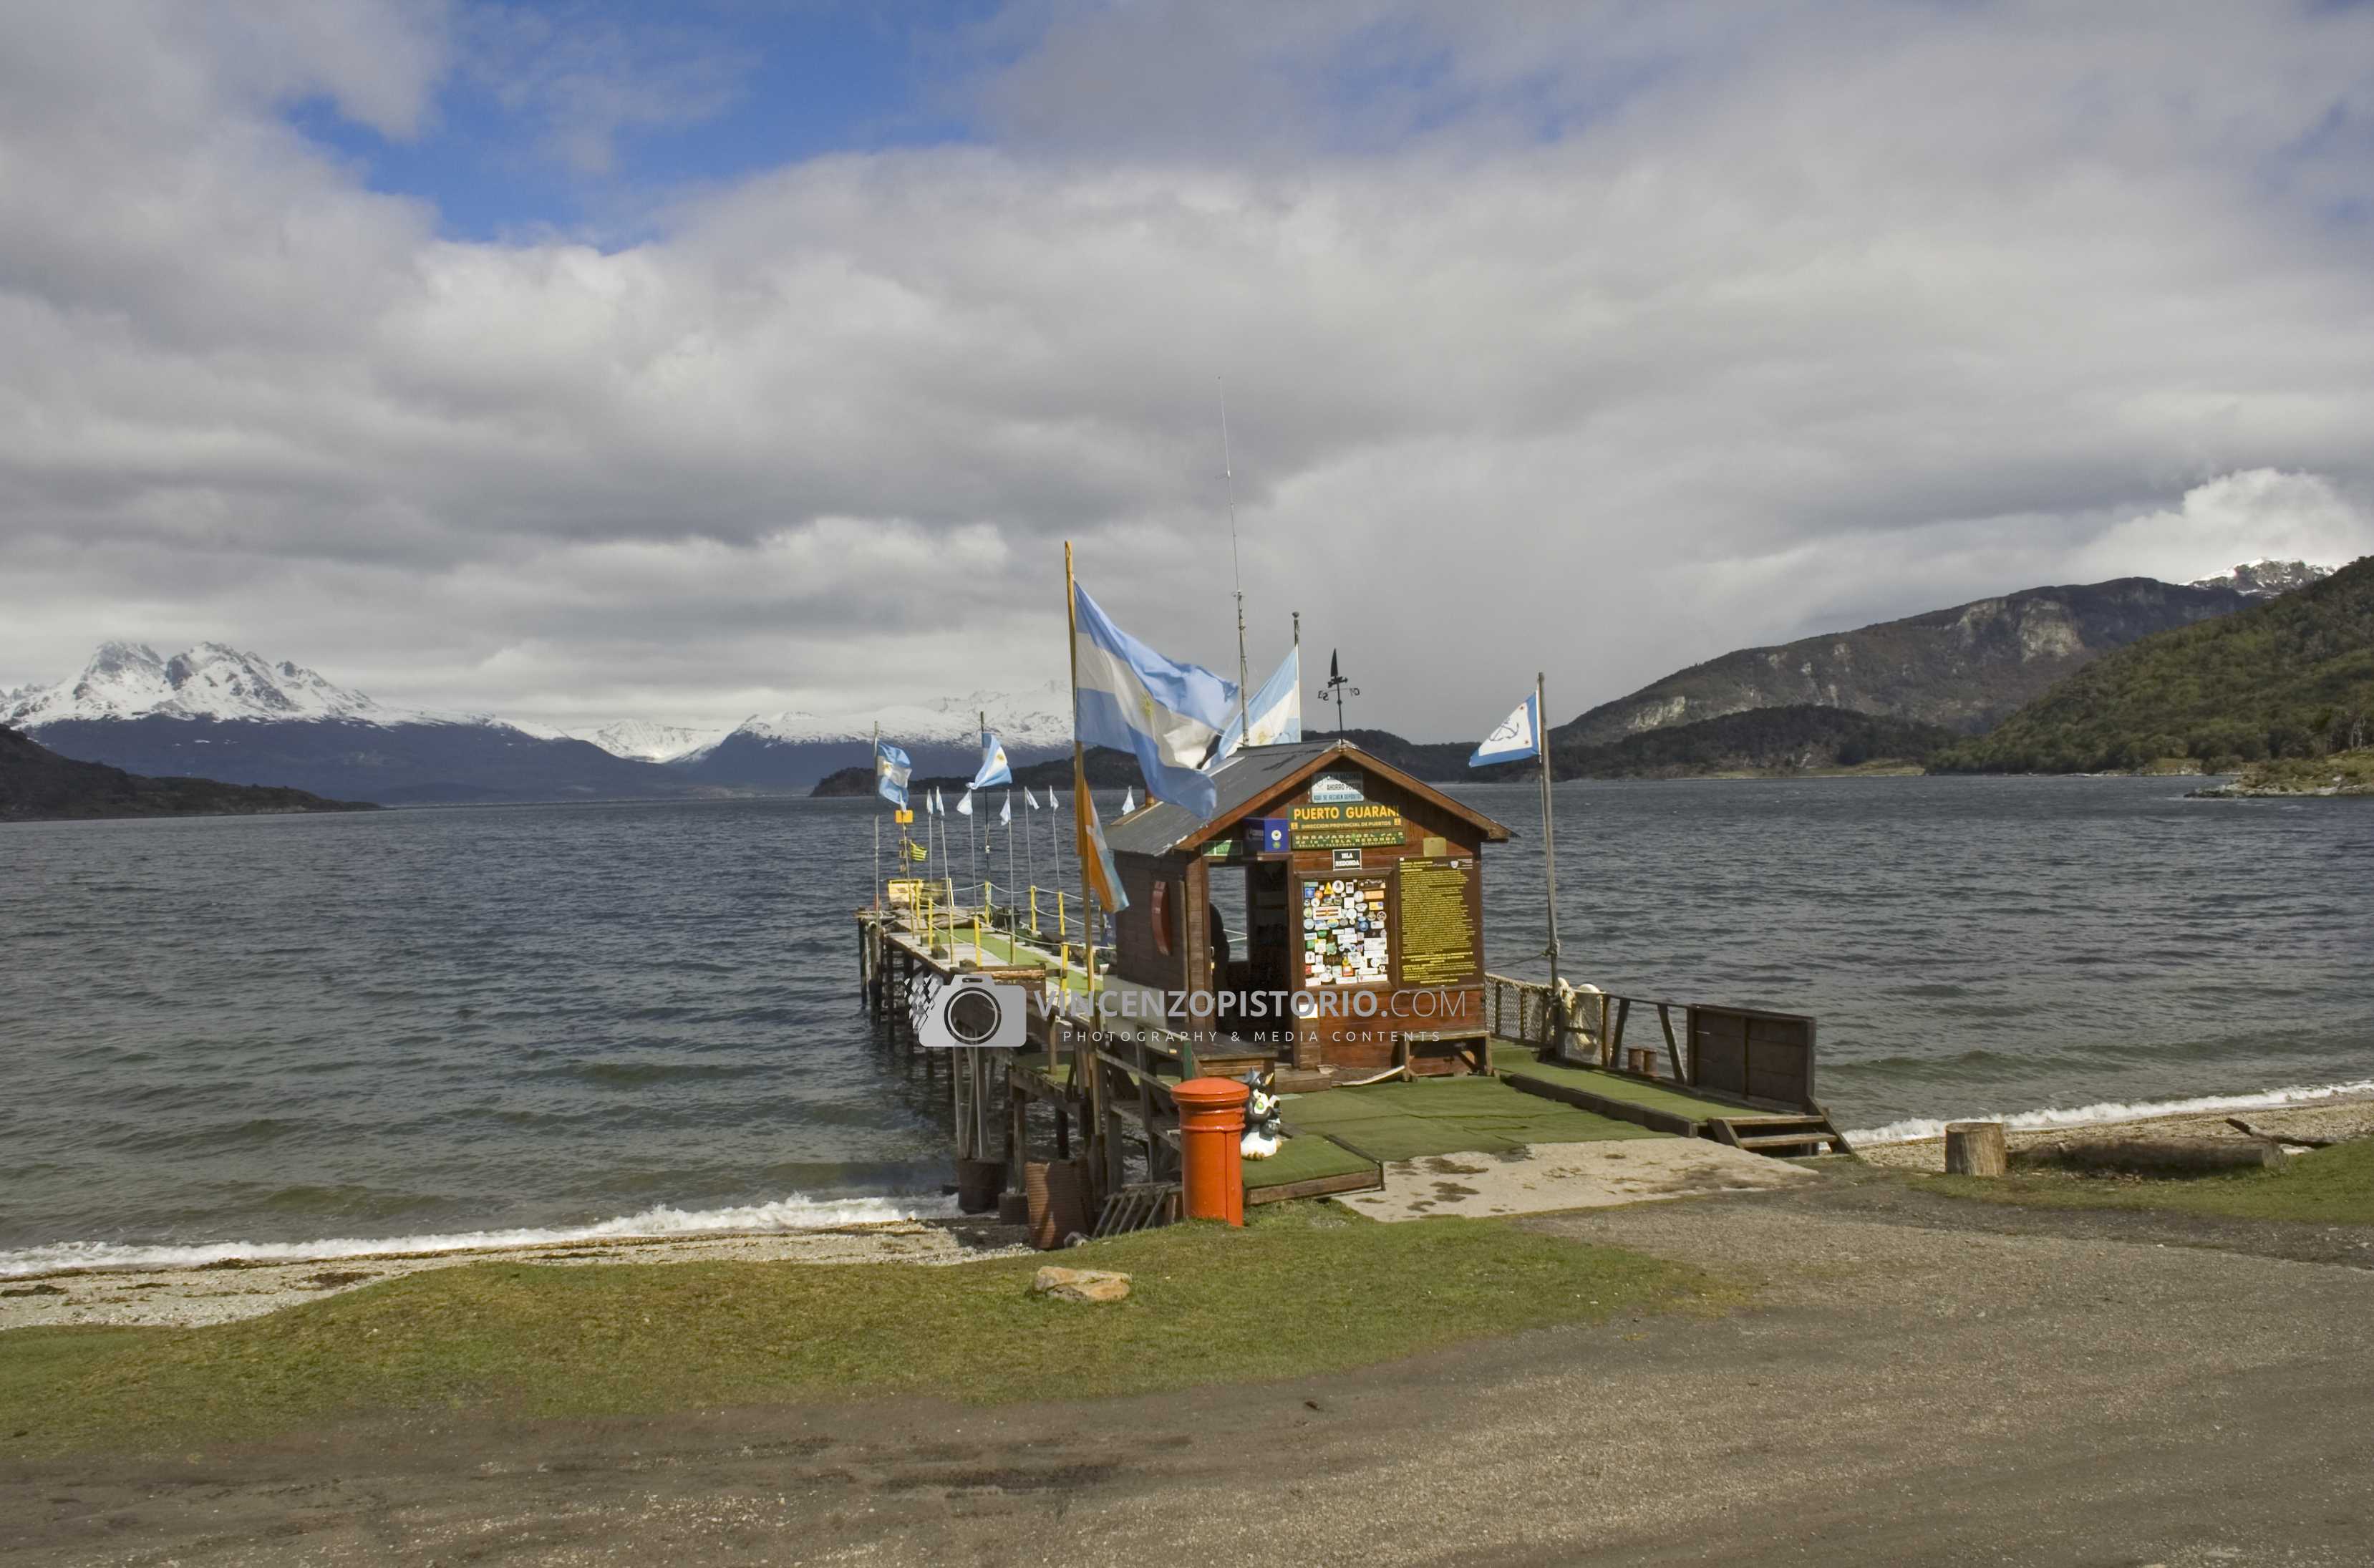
<point x="1096" y="858"/>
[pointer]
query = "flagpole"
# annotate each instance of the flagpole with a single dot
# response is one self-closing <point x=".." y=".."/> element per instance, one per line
<point x="1029" y="865"/>
<point x="1229" y="479"/>
<point x="1080" y="802"/>
<point x="973" y="834"/>
<point x="877" y="817"/>
<point x="1008" y="824"/>
<point x="1549" y="861"/>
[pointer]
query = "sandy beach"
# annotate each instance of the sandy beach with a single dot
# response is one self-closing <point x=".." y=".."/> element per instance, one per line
<point x="220" y="1293"/>
<point x="2338" y="1117"/>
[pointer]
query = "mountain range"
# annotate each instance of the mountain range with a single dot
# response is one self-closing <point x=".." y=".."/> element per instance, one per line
<point x="216" y="712"/>
<point x="38" y="785"/>
<point x="1965" y="669"/>
<point x="2290" y="678"/>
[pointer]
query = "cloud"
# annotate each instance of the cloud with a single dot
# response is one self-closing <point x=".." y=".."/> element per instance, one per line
<point x="1598" y="341"/>
<point x="582" y="76"/>
<point x="2236" y="518"/>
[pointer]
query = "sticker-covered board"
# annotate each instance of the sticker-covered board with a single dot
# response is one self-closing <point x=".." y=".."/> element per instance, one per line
<point x="1344" y="932"/>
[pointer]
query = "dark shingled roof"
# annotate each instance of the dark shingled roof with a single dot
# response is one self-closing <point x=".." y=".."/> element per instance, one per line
<point x="1158" y="827"/>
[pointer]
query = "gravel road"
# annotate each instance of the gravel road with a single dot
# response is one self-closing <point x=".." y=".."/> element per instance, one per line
<point x="1921" y="1381"/>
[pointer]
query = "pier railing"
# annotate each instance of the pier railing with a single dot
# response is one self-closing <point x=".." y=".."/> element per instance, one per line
<point x="1763" y="1057"/>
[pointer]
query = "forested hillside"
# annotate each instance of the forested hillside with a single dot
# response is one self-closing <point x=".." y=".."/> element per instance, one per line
<point x="2293" y="676"/>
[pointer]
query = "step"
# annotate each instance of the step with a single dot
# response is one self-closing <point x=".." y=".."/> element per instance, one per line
<point x="1785" y="1140"/>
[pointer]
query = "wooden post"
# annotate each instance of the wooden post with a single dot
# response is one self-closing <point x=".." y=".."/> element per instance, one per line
<point x="1974" y="1148"/>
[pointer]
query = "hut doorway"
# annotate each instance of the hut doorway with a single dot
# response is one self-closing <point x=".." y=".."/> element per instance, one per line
<point x="1252" y="926"/>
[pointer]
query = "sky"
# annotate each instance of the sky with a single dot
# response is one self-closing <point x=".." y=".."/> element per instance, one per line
<point x="583" y="361"/>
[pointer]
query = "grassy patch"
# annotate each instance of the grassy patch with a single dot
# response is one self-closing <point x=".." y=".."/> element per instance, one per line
<point x="1301" y="1288"/>
<point x="2332" y="1187"/>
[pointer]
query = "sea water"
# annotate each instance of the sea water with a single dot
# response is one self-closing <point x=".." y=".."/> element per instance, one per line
<point x="298" y="1036"/>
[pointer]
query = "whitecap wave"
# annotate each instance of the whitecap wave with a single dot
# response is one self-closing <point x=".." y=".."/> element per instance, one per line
<point x="797" y="1212"/>
<point x="2106" y="1111"/>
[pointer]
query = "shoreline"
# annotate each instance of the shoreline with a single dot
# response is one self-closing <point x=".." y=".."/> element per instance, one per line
<point x="2346" y="1113"/>
<point x="193" y="1295"/>
<point x="231" y="1287"/>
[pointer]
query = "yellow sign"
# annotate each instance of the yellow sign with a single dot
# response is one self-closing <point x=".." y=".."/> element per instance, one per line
<point x="1349" y="826"/>
<point x="903" y="818"/>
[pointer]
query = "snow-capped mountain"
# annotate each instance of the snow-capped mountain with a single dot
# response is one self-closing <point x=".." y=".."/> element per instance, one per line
<point x="131" y="680"/>
<point x="2266" y="579"/>
<point x="647" y="741"/>
<point x="793" y="750"/>
<point x="1037" y="717"/>
<point x="218" y="713"/>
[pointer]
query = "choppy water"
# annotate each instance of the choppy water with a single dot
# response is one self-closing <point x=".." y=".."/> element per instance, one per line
<point x="237" y="1031"/>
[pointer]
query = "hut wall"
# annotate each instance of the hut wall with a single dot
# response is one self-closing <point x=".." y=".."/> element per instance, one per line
<point x="1438" y="992"/>
<point x="1424" y="999"/>
<point x="1135" y="954"/>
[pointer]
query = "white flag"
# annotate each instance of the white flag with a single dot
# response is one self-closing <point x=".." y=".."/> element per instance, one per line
<point x="964" y="804"/>
<point x="1030" y="799"/>
<point x="1128" y="800"/>
<point x="1005" y="812"/>
<point x="1520" y="736"/>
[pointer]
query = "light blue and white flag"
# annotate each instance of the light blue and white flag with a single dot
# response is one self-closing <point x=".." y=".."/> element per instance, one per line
<point x="1519" y="737"/>
<point x="1030" y="799"/>
<point x="1167" y="714"/>
<point x="964" y="802"/>
<point x="993" y="769"/>
<point x="936" y="809"/>
<point x="1128" y="800"/>
<point x="890" y="768"/>
<point x="1274" y="717"/>
<point x="1005" y="812"/>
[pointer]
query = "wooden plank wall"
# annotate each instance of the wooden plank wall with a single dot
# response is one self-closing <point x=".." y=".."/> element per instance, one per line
<point x="1760" y="1055"/>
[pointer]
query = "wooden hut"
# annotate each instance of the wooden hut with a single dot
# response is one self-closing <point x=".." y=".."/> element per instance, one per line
<point x="1361" y="906"/>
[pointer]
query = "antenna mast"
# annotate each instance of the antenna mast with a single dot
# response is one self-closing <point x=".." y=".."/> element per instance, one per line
<point x="1228" y="479"/>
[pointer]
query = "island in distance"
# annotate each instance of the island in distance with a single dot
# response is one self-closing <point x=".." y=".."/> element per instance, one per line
<point x="38" y="785"/>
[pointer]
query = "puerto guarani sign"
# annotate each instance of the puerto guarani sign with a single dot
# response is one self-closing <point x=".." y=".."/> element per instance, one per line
<point x="1339" y="815"/>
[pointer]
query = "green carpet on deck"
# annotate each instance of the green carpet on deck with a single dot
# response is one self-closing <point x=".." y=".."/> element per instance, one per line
<point x="1631" y="1091"/>
<point x="1304" y="1159"/>
<point x="1409" y="1121"/>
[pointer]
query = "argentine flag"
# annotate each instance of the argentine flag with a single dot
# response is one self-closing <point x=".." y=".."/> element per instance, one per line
<point x="1167" y="714"/>
<point x="1275" y="715"/>
<point x="993" y="769"/>
<point x="890" y="766"/>
<point x="1519" y="737"/>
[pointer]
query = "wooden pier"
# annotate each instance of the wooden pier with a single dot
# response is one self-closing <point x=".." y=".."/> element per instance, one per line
<point x="1361" y="884"/>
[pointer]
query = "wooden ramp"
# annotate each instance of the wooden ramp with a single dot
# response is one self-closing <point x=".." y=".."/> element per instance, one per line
<point x="1667" y="1107"/>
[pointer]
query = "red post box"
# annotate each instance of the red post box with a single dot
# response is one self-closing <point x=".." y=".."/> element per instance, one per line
<point x="1211" y="1126"/>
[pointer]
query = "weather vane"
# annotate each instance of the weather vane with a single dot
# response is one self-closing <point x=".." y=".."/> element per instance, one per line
<point x="1338" y="687"/>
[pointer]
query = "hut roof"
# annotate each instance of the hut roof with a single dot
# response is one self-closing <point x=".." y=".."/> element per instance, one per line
<point x="1259" y="773"/>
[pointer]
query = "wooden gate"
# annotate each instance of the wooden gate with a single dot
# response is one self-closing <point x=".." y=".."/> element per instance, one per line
<point x="1756" y="1056"/>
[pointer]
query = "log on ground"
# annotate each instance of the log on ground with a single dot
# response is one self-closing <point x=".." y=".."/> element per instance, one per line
<point x="2160" y="1157"/>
